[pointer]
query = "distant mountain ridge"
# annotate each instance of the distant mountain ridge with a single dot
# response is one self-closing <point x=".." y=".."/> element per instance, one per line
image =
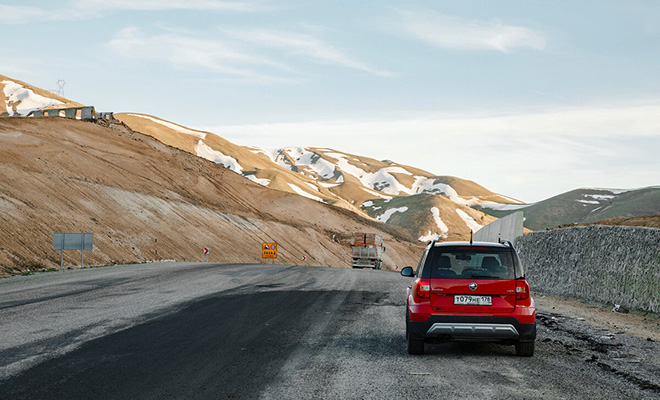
<point x="427" y="206"/>
<point x="343" y="179"/>
<point x="584" y="206"/>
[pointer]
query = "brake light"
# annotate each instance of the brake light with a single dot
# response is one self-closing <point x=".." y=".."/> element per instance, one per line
<point x="423" y="288"/>
<point x="522" y="290"/>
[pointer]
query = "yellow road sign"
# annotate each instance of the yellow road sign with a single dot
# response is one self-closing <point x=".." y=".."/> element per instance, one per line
<point x="269" y="250"/>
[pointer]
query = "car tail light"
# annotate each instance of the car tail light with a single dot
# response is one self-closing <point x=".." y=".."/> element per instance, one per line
<point x="522" y="290"/>
<point x="423" y="288"/>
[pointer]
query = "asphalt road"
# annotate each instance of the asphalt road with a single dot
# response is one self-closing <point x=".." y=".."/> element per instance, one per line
<point x="215" y="331"/>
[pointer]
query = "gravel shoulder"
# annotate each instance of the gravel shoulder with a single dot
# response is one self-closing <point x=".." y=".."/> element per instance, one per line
<point x="634" y="323"/>
<point x="625" y="345"/>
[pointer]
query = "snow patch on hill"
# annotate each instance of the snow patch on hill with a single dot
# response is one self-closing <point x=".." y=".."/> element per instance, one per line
<point x="261" y="181"/>
<point x="382" y="181"/>
<point x="502" y="207"/>
<point x="25" y="100"/>
<point x="438" y="221"/>
<point x="510" y="199"/>
<point x="304" y="193"/>
<point x="600" y="196"/>
<point x="469" y="221"/>
<point x="312" y="160"/>
<point x="371" y="192"/>
<point x="172" y="126"/>
<point x="588" y="202"/>
<point x="429" y="236"/>
<point x="435" y="212"/>
<point x="423" y="184"/>
<point x="203" y="150"/>
<point x="387" y="214"/>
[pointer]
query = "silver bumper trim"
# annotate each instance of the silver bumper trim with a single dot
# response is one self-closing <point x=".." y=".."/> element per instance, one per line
<point x="463" y="330"/>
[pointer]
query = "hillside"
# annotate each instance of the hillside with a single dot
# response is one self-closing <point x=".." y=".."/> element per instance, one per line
<point x="62" y="175"/>
<point x="431" y="214"/>
<point x="586" y="205"/>
<point x="20" y="98"/>
<point x="341" y="179"/>
<point x="648" y="221"/>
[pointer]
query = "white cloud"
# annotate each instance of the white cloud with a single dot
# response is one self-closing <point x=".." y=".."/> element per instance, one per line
<point x="90" y="9"/>
<point x="306" y="45"/>
<point x="189" y="53"/>
<point x="229" y="53"/>
<point x="167" y="5"/>
<point x="23" y="14"/>
<point x="459" y="33"/>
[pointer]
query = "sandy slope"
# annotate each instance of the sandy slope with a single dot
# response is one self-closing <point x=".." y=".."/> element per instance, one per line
<point x="128" y="188"/>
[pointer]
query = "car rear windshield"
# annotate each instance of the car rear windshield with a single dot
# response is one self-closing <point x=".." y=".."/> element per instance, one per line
<point x="471" y="263"/>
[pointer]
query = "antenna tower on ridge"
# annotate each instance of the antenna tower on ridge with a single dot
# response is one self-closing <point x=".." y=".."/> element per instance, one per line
<point x="60" y="87"/>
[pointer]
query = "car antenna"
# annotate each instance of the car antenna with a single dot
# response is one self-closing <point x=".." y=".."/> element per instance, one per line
<point x="470" y="237"/>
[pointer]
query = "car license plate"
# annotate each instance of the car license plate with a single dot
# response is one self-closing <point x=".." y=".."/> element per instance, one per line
<point x="471" y="300"/>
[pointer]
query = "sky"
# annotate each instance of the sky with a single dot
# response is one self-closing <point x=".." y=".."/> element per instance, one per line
<point x="528" y="98"/>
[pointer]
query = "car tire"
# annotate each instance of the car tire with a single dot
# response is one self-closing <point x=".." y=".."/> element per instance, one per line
<point x="525" y="349"/>
<point x="415" y="346"/>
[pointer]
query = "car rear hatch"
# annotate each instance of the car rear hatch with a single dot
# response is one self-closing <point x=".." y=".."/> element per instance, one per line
<point x="472" y="280"/>
<point x="489" y="296"/>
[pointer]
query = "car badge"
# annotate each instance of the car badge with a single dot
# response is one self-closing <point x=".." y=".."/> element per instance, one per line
<point x="473" y="286"/>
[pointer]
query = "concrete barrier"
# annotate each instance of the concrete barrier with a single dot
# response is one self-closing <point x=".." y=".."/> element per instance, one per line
<point x="505" y="228"/>
<point x="611" y="264"/>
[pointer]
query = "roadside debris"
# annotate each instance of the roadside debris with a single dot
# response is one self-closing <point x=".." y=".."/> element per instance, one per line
<point x="620" y="309"/>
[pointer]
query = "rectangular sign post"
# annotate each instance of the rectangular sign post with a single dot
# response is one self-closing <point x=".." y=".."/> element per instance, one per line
<point x="269" y="250"/>
<point x="73" y="241"/>
<point x="58" y="241"/>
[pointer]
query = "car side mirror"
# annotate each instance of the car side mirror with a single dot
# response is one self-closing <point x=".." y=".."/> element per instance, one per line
<point x="407" y="272"/>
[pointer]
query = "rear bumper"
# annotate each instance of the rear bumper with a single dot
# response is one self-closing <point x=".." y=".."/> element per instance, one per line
<point x="466" y="327"/>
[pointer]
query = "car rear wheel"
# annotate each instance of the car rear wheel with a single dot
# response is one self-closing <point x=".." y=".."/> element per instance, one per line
<point x="415" y="346"/>
<point x="525" y="349"/>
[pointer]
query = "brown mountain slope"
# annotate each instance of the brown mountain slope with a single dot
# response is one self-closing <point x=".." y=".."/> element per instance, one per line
<point x="63" y="175"/>
<point x="243" y="160"/>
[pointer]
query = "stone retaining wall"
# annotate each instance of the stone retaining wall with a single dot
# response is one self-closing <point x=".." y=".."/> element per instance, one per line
<point x="611" y="264"/>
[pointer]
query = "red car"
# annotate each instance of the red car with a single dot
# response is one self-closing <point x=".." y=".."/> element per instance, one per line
<point x="469" y="291"/>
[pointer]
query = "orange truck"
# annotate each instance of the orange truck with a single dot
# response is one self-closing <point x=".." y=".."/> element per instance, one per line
<point x="367" y="250"/>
